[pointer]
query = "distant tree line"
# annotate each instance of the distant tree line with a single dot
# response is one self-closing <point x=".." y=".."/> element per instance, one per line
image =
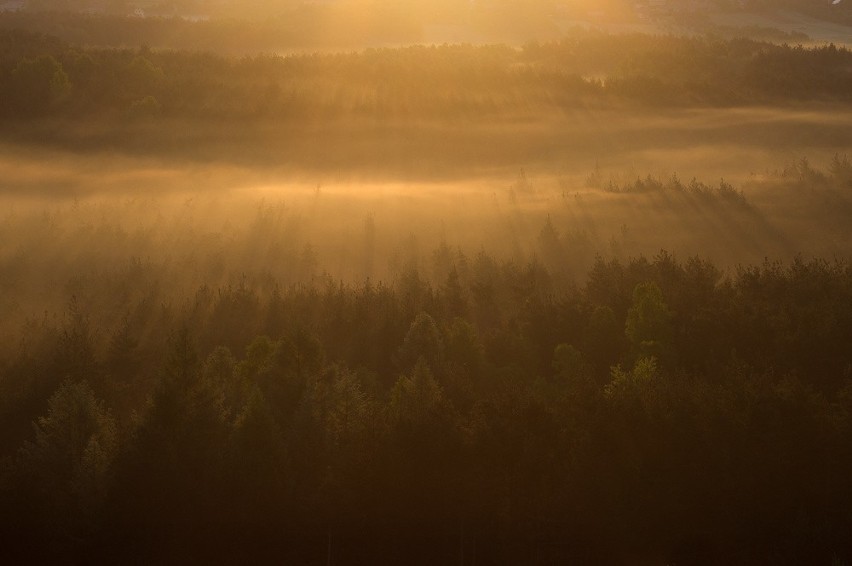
<point x="43" y="76"/>
<point x="659" y="410"/>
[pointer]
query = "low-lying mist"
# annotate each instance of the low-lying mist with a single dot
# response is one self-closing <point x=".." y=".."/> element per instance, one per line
<point x="95" y="233"/>
<point x="131" y="156"/>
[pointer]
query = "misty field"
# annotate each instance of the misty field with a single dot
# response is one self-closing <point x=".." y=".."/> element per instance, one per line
<point x="578" y="300"/>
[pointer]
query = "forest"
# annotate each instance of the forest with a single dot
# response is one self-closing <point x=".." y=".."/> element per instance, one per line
<point x="660" y="409"/>
<point x="207" y="394"/>
<point x="46" y="77"/>
<point x="585" y="300"/>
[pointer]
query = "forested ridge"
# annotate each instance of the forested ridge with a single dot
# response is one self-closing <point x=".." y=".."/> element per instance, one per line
<point x="46" y="77"/>
<point x="659" y="410"/>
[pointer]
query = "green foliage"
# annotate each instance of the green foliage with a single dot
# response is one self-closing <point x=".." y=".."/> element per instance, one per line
<point x="636" y="382"/>
<point x="423" y="340"/>
<point x="38" y="84"/>
<point x="602" y="337"/>
<point x="419" y="82"/>
<point x="301" y="352"/>
<point x="69" y="463"/>
<point x="259" y="469"/>
<point x="547" y="418"/>
<point x="336" y="408"/>
<point x="649" y="322"/>
<point x="176" y="458"/>
<point x="416" y="399"/>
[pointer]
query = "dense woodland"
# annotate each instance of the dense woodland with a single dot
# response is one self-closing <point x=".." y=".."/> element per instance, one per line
<point x="428" y="111"/>
<point x="211" y="394"/>
<point x="329" y="378"/>
<point x="44" y="76"/>
<point x="659" y="410"/>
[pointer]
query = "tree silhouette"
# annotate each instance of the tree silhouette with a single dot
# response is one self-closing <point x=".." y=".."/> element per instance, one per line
<point x="169" y="477"/>
<point x="423" y="340"/>
<point x="69" y="463"/>
<point x="37" y="84"/>
<point x="649" y="323"/>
